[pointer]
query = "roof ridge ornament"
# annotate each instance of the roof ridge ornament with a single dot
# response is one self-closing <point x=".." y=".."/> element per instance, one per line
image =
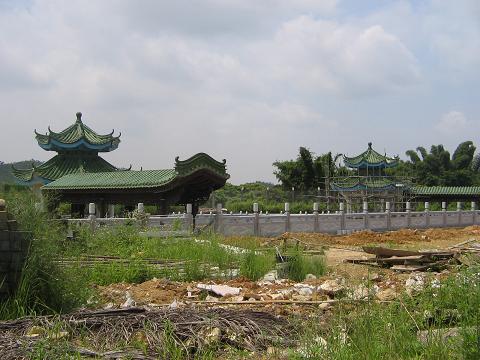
<point x="79" y="116"/>
<point x="370" y="145"/>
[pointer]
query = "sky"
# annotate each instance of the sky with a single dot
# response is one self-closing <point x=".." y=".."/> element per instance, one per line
<point x="249" y="81"/>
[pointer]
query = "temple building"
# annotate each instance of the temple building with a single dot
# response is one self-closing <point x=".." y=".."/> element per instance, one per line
<point x="368" y="181"/>
<point x="77" y="150"/>
<point x="79" y="176"/>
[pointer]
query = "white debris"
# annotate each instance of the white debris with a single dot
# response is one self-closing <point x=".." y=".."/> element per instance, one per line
<point x="221" y="290"/>
<point x="270" y="276"/>
<point x="414" y="283"/>
<point x="310" y="277"/>
<point x="129" y="302"/>
<point x="331" y="287"/>
<point x="304" y="289"/>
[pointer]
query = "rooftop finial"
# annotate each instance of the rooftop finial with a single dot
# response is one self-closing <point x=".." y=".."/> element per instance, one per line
<point x="79" y="116"/>
<point x="370" y="145"/>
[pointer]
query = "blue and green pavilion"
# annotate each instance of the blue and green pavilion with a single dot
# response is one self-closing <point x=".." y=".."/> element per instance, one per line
<point x="78" y="175"/>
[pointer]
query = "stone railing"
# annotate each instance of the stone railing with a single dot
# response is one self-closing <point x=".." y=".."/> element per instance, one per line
<point x="258" y="223"/>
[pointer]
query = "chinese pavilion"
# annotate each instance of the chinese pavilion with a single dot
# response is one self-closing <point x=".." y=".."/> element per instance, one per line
<point x="369" y="181"/>
<point x="78" y="175"/>
<point x="77" y="150"/>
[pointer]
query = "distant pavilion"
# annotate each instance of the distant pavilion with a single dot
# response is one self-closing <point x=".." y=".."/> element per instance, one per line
<point x="369" y="181"/>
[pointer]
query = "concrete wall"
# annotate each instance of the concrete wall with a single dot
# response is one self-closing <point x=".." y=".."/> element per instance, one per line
<point x="13" y="251"/>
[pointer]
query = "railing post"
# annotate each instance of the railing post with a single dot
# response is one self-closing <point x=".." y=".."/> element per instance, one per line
<point x="287" y="217"/>
<point x="218" y="218"/>
<point x="389" y="219"/>
<point x="365" y="215"/>
<point x="342" y="217"/>
<point x="408" y="207"/>
<point x="256" y="222"/>
<point x="316" y="225"/>
<point x="427" y="214"/>
<point x="444" y="213"/>
<point x="111" y="210"/>
<point x="91" y="216"/>
<point x="189" y="217"/>
<point x="473" y="208"/>
<point x="459" y="210"/>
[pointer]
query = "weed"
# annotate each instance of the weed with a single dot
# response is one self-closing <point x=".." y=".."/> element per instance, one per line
<point x="255" y="265"/>
<point x="298" y="266"/>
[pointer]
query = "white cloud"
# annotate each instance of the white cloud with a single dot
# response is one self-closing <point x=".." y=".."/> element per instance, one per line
<point x="245" y="80"/>
<point x="453" y="122"/>
<point x="325" y="56"/>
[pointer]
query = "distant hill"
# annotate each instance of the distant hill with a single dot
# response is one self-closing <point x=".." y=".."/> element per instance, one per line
<point x="6" y="176"/>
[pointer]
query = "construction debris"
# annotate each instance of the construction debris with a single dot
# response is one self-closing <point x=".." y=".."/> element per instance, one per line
<point x="409" y="260"/>
<point x="191" y="329"/>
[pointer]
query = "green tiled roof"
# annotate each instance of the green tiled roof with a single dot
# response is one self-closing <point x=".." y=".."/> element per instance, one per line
<point x="64" y="164"/>
<point x="370" y="158"/>
<point x="200" y="161"/>
<point x="77" y="136"/>
<point x="446" y="190"/>
<point x="140" y="179"/>
<point x="113" y="180"/>
<point x="363" y="183"/>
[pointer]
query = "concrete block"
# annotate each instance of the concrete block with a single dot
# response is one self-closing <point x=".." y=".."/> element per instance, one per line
<point x="3" y="220"/>
<point x="5" y="245"/>
<point x="16" y="241"/>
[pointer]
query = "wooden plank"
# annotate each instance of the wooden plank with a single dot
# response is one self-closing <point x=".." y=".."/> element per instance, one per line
<point x="385" y="252"/>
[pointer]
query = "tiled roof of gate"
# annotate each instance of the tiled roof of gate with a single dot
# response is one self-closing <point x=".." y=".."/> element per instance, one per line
<point x="129" y="179"/>
<point x="77" y="136"/>
<point x="370" y="158"/>
<point x="446" y="190"/>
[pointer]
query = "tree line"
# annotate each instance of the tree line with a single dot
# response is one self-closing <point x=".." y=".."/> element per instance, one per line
<point x="431" y="168"/>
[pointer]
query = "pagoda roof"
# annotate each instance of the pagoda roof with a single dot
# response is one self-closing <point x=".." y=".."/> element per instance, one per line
<point x="370" y="159"/>
<point x="364" y="183"/>
<point x="77" y="137"/>
<point x="63" y="164"/>
<point x="141" y="179"/>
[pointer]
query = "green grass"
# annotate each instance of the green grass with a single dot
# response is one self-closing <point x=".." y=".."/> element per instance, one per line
<point x="379" y="331"/>
<point x="254" y="266"/>
<point x="300" y="265"/>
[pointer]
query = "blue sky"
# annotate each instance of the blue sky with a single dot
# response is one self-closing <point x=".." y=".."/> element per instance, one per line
<point x="246" y="80"/>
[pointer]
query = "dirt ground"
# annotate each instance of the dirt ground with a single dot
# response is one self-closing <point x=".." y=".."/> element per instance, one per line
<point x="268" y="294"/>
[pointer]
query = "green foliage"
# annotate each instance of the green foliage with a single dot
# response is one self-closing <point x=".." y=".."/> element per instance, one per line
<point x="389" y="331"/>
<point x="307" y="172"/>
<point x="44" y="286"/>
<point x="439" y="168"/>
<point x="299" y="265"/>
<point x="254" y="266"/>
